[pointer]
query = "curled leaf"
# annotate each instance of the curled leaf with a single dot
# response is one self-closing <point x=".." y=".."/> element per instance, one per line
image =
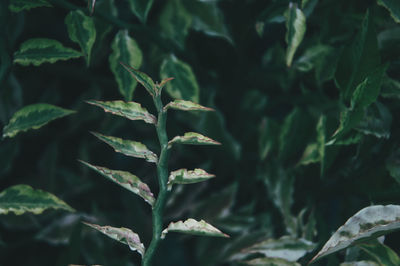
<point x="193" y="227"/>
<point x="186" y="106"/>
<point x="184" y="176"/>
<point x="193" y="138"/>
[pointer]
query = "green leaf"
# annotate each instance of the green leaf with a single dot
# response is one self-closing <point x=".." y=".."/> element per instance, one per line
<point x="311" y="155"/>
<point x="377" y="121"/>
<point x="129" y="148"/>
<point x="381" y="253"/>
<point x="295" y="30"/>
<point x="321" y="140"/>
<point x="184" y="176"/>
<point x="40" y="50"/>
<point x="33" y="117"/>
<point x="186" y="106"/>
<point x="142" y="78"/>
<point x="368" y="223"/>
<point x="185" y="85"/>
<point x="141" y="8"/>
<point x="19" y="5"/>
<point x="270" y="262"/>
<point x="193" y="138"/>
<point x="123" y="235"/>
<point x="360" y="263"/>
<point x="268" y="137"/>
<point x="81" y="30"/>
<point x="20" y="199"/>
<point x="125" y="49"/>
<point x="91" y="6"/>
<point x="390" y="87"/>
<point x="393" y="165"/>
<point x="125" y="180"/>
<point x="130" y="110"/>
<point x="393" y="6"/>
<point x="193" y="227"/>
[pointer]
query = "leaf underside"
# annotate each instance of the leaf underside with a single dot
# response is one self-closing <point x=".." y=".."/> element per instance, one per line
<point x="193" y="227"/>
<point x="193" y="138"/>
<point x="184" y="176"/>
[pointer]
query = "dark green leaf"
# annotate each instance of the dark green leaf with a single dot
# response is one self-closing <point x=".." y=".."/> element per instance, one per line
<point x="393" y="165"/>
<point x="19" y="5"/>
<point x="270" y="262"/>
<point x="382" y="254"/>
<point x="141" y="8"/>
<point x="193" y="227"/>
<point x="142" y="78"/>
<point x="360" y="263"/>
<point x="393" y="6"/>
<point x="377" y="121"/>
<point x="295" y="30"/>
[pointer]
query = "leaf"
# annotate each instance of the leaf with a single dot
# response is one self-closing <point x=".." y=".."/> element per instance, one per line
<point x="123" y="235"/>
<point x="128" y="147"/>
<point x="393" y="165"/>
<point x="360" y="263"/>
<point x="20" y="199"/>
<point x="130" y="110"/>
<point x="193" y="138"/>
<point x="377" y="121"/>
<point x="186" y="106"/>
<point x="381" y="253"/>
<point x="125" y="49"/>
<point x="393" y="6"/>
<point x="141" y="8"/>
<point x="295" y="30"/>
<point x="185" y="85"/>
<point x="268" y="137"/>
<point x="142" y="78"/>
<point x="193" y="227"/>
<point x="184" y="176"/>
<point x="270" y="262"/>
<point x="310" y="155"/>
<point x="368" y="223"/>
<point x="91" y="6"/>
<point x="125" y="180"/>
<point x="349" y="119"/>
<point x="40" y="50"/>
<point x="19" y="5"/>
<point x="81" y="30"/>
<point x="33" y="116"/>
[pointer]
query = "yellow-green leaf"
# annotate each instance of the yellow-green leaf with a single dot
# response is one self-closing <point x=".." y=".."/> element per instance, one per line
<point x="184" y="176"/>
<point x="142" y="78"/>
<point x="23" y="198"/>
<point x="193" y="227"/>
<point x="19" y="5"/>
<point x="186" y="106"/>
<point x="295" y="30"/>
<point x="193" y="138"/>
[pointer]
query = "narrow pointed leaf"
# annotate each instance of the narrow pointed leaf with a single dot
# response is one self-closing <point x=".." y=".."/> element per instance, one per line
<point x="184" y="176"/>
<point x="393" y="6"/>
<point x="187" y="106"/>
<point x="142" y="78"/>
<point x="19" y="5"/>
<point x="20" y="199"/>
<point x="81" y="30"/>
<point x="128" y="147"/>
<point x="33" y="117"/>
<point x="193" y="138"/>
<point x="91" y="6"/>
<point x="125" y="180"/>
<point x="39" y="50"/>
<point x="125" y="49"/>
<point x="123" y="235"/>
<point x="193" y="227"/>
<point x="270" y="262"/>
<point x="381" y="253"/>
<point x="368" y="223"/>
<point x="130" y="110"/>
<point x="141" y="8"/>
<point x="295" y="30"/>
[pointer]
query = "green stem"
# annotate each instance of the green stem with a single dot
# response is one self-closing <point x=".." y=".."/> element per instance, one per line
<point x="162" y="172"/>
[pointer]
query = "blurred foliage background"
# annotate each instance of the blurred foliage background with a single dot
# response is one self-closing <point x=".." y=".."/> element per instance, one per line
<point x="281" y="171"/>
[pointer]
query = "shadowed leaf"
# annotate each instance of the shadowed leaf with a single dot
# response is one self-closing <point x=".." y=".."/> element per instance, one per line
<point x="184" y="176"/>
<point x="382" y="254"/>
<point x="393" y="6"/>
<point x="193" y="227"/>
<point x="141" y="8"/>
<point x="19" y="5"/>
<point x="270" y="262"/>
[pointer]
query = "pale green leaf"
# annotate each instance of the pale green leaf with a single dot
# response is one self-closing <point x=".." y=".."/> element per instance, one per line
<point x="33" y="117"/>
<point x="193" y="138"/>
<point x="19" y="5"/>
<point x="20" y="199"/>
<point x="130" y="110"/>
<point x="123" y="235"/>
<point x="142" y="78"/>
<point x="81" y="30"/>
<point x="381" y="253"/>
<point x="270" y="262"/>
<point x="184" y="176"/>
<point x="125" y="49"/>
<point x="141" y="8"/>
<point x="368" y="223"/>
<point x="40" y="50"/>
<point x="186" y="106"/>
<point x="393" y="6"/>
<point x="185" y="86"/>
<point x="193" y="227"/>
<point x="125" y="180"/>
<point x="360" y="263"/>
<point x="295" y="30"/>
<point x="128" y="147"/>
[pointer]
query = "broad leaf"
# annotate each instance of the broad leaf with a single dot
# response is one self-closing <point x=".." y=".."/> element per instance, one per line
<point x="125" y="49"/>
<point x="270" y="262"/>
<point x="295" y="30"/>
<point x="381" y="253"/>
<point x="129" y="148"/>
<point x="126" y="180"/>
<point x="186" y="106"/>
<point x="393" y="6"/>
<point x="19" y="5"/>
<point x="184" y="176"/>
<point x="20" y="199"/>
<point x="142" y="78"/>
<point x="193" y="227"/>
<point x="368" y="223"/>
<point x="193" y="139"/>
<point x="185" y="85"/>
<point x="33" y="117"/>
<point x="360" y="263"/>
<point x="141" y="8"/>
<point x="81" y="30"/>
<point x="123" y="235"/>
<point x="39" y="50"/>
<point x="130" y="110"/>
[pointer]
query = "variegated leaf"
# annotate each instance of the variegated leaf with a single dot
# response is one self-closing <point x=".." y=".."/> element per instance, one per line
<point x="295" y="30"/>
<point x="184" y="176"/>
<point x="193" y="227"/>
<point x="193" y="138"/>
<point x="186" y="106"/>
<point x="142" y="78"/>
<point x="270" y="261"/>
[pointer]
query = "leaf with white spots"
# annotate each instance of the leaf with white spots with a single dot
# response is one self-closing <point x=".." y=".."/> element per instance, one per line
<point x="186" y="106"/>
<point x="193" y="227"/>
<point x="193" y="138"/>
<point x="184" y="176"/>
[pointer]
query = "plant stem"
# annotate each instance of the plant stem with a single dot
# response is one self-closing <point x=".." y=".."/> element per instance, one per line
<point x="162" y="173"/>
